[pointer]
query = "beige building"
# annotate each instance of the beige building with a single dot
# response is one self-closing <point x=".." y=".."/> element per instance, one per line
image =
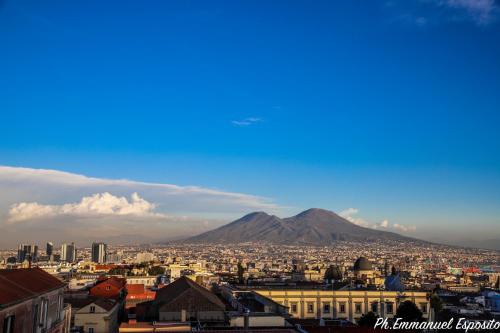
<point x="344" y="304"/>
<point x="175" y="270"/>
<point x="99" y="316"/>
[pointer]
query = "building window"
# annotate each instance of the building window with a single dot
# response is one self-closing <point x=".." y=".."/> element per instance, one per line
<point x="44" y="310"/>
<point x="423" y="308"/>
<point x="293" y="308"/>
<point x="108" y="287"/>
<point x="36" y="314"/>
<point x="326" y="307"/>
<point x="357" y="308"/>
<point x="92" y="309"/>
<point x="342" y="308"/>
<point x="8" y="324"/>
<point x="91" y="330"/>
<point x="60" y="307"/>
<point x="390" y="308"/>
<point x="310" y="307"/>
<point x="374" y="307"/>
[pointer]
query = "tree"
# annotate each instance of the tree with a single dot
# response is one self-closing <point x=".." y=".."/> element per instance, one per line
<point x="436" y="304"/>
<point x="445" y="315"/>
<point x="156" y="270"/>
<point x="368" y="320"/>
<point x="119" y="271"/>
<point x="409" y="312"/>
<point x="241" y="271"/>
<point x="141" y="265"/>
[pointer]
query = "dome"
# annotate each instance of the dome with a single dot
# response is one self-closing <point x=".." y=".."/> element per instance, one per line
<point x="333" y="273"/>
<point x="362" y="264"/>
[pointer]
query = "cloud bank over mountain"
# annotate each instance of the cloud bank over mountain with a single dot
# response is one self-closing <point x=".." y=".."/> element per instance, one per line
<point x="50" y="204"/>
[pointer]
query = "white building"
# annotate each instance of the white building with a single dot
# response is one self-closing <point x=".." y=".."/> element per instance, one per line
<point x="147" y="281"/>
<point x="144" y="257"/>
<point x="68" y="252"/>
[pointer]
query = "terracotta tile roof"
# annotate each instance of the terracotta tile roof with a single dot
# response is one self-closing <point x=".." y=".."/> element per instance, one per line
<point x="17" y="285"/>
<point x="104" y="267"/>
<point x="137" y="292"/>
<point x="116" y="281"/>
<point x="135" y="288"/>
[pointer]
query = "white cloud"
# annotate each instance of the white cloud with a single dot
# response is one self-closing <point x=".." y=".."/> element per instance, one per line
<point x="38" y="204"/>
<point x="21" y="184"/>
<point x="348" y="212"/>
<point x="403" y="228"/>
<point x="481" y="11"/>
<point x="350" y="215"/>
<point x="423" y="13"/>
<point x="246" y="121"/>
<point x="97" y="205"/>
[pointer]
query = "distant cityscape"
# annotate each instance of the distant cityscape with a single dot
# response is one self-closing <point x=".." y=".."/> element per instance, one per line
<point x="104" y="288"/>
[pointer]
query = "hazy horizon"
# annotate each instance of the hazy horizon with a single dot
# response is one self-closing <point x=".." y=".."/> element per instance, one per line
<point x="126" y="211"/>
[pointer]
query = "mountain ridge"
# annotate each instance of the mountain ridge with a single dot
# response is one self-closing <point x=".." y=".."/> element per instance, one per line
<point x="314" y="226"/>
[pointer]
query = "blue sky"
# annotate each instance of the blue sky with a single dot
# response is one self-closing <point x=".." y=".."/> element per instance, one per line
<point x="388" y="107"/>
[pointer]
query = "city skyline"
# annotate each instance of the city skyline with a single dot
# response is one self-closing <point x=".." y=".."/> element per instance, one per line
<point x="160" y="122"/>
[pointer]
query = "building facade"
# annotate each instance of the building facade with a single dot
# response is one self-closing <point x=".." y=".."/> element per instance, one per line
<point x="99" y="251"/>
<point x="49" y="249"/>
<point x="68" y="253"/>
<point x="27" y="252"/>
<point x="31" y="301"/>
<point x="147" y="281"/>
<point x="99" y="316"/>
<point x="344" y="304"/>
<point x="182" y="301"/>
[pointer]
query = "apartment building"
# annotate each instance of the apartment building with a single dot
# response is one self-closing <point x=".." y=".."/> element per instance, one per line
<point x="31" y="301"/>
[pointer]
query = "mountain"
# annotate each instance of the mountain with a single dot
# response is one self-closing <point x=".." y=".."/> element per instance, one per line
<point x="313" y="226"/>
